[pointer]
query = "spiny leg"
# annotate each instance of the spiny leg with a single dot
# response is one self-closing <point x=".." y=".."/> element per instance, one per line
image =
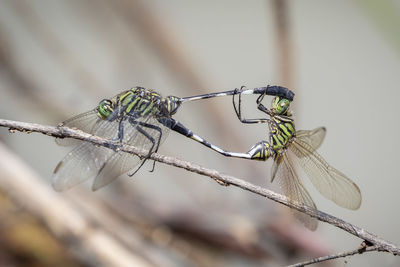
<point x="149" y="137"/>
<point x="158" y="129"/>
<point x="139" y="129"/>
<point x="132" y="120"/>
<point x="260" y="99"/>
<point x="120" y="130"/>
<point x="264" y="109"/>
<point x="238" y="111"/>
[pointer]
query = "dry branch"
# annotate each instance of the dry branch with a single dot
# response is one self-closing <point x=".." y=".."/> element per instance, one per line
<point x="363" y="248"/>
<point x="223" y="179"/>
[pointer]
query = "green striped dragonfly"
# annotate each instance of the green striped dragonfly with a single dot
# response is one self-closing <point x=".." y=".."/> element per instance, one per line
<point x="139" y="117"/>
<point x="291" y="149"/>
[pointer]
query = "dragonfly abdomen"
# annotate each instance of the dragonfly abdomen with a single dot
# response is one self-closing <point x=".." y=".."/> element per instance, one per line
<point x="261" y="151"/>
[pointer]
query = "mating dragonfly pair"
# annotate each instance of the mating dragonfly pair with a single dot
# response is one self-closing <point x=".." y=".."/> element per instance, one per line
<point x="142" y="118"/>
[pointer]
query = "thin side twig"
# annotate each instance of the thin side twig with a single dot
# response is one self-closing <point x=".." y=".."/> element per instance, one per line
<point x="222" y="179"/>
<point x="363" y="248"/>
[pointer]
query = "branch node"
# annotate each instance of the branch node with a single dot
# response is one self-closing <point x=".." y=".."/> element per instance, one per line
<point x="363" y="246"/>
<point x="220" y="182"/>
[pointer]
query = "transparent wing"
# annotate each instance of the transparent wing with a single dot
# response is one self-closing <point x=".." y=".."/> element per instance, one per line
<point x="118" y="164"/>
<point x="313" y="138"/>
<point x="295" y="190"/>
<point x="145" y="133"/>
<point x="82" y="163"/>
<point x="84" y="121"/>
<point x="275" y="166"/>
<point x="89" y="161"/>
<point x="331" y="183"/>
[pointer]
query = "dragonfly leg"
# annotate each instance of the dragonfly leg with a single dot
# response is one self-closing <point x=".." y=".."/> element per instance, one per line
<point x="150" y="138"/>
<point x="238" y="111"/>
<point x="120" y="130"/>
<point x="260" y="98"/>
<point x="120" y="136"/>
<point x="158" y="129"/>
<point x="264" y="109"/>
<point x="139" y="129"/>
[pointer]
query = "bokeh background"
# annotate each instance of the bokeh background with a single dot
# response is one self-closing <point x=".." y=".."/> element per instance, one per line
<point x="59" y="58"/>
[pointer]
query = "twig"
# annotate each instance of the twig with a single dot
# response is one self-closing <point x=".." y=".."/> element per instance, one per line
<point x="359" y="250"/>
<point x="222" y="179"/>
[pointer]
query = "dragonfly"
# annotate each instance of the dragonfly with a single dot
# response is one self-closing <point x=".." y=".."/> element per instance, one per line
<point x="138" y="117"/>
<point x="292" y="151"/>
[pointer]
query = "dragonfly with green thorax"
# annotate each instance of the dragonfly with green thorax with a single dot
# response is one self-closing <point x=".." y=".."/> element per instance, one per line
<point x="291" y="149"/>
<point x="139" y="117"/>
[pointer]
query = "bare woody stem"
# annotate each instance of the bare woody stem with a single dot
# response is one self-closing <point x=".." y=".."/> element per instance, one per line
<point x="363" y="248"/>
<point x="222" y="179"/>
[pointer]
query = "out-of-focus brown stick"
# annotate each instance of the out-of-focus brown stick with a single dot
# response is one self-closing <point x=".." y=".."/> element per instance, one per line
<point x="62" y="217"/>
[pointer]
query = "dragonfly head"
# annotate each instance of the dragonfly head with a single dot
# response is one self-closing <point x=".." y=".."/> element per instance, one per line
<point x="280" y="106"/>
<point x="171" y="104"/>
<point x="105" y="108"/>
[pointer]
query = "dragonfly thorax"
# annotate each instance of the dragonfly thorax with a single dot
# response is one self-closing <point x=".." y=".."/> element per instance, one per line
<point x="282" y="131"/>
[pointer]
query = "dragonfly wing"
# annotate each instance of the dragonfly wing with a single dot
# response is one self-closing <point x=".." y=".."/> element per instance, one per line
<point x="82" y="163"/>
<point x="294" y="189"/>
<point x="313" y="138"/>
<point x="84" y="122"/>
<point x="118" y="164"/>
<point x="330" y="182"/>
<point x="275" y="165"/>
<point x="123" y="162"/>
<point x="86" y="159"/>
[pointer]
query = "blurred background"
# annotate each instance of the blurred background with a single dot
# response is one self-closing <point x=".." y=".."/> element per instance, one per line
<point x="60" y="58"/>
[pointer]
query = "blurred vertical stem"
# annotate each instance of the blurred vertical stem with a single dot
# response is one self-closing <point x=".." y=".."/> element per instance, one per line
<point x="283" y="42"/>
<point x="385" y="15"/>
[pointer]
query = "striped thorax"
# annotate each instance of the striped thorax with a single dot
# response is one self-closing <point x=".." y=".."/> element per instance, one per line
<point x="137" y="102"/>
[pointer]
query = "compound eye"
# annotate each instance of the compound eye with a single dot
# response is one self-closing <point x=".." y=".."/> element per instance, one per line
<point x="283" y="106"/>
<point x="280" y="105"/>
<point x="105" y="108"/>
